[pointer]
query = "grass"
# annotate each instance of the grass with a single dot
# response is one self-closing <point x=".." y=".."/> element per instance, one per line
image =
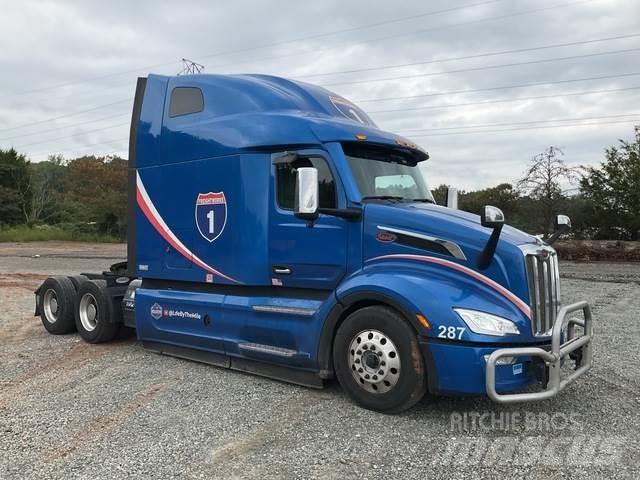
<point x="23" y="233"/>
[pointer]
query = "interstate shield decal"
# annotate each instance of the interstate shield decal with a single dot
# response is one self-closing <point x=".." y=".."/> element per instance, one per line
<point x="211" y="214"/>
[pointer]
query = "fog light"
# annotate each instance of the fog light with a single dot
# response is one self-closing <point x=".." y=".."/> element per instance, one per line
<point x="502" y="360"/>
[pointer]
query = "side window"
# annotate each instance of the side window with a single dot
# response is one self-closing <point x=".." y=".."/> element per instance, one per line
<point x="286" y="182"/>
<point x="185" y="100"/>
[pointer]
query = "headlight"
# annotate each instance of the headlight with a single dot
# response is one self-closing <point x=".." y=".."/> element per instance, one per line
<point x="487" y="324"/>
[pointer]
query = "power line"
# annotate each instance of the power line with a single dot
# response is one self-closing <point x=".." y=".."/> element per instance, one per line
<point x="524" y="85"/>
<point x="503" y="100"/>
<point x="64" y="126"/>
<point x="486" y="67"/>
<point x="529" y="122"/>
<point x="329" y="33"/>
<point x="404" y="34"/>
<point x="433" y="94"/>
<point x="261" y="46"/>
<point x="79" y="149"/>
<point x="526" y="128"/>
<point x="470" y="57"/>
<point x="503" y="87"/>
<point x="72" y="136"/>
<point x="78" y="112"/>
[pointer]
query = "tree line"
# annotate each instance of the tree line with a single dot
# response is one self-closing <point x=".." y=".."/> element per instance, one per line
<point x="85" y="195"/>
<point x="603" y="202"/>
<point x="89" y="194"/>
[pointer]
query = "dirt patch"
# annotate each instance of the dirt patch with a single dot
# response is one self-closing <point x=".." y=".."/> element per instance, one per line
<point x="20" y="330"/>
<point x="62" y="369"/>
<point x="28" y="286"/>
<point x="24" y="276"/>
<point x="598" y="250"/>
<point x="103" y="424"/>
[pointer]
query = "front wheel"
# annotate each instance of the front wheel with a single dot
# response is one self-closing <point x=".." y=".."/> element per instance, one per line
<point x="378" y="361"/>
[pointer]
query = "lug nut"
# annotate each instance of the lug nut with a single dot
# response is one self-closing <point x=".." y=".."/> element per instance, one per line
<point x="380" y="372"/>
<point x="367" y="376"/>
<point x="360" y="370"/>
<point x="375" y="377"/>
<point x="383" y="363"/>
<point x="379" y="354"/>
<point x="373" y="347"/>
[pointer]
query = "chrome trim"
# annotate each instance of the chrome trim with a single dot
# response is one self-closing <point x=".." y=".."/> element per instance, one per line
<point x="452" y="247"/>
<point x="553" y="359"/>
<point x="305" y="312"/>
<point x="269" y="349"/>
<point x="543" y="280"/>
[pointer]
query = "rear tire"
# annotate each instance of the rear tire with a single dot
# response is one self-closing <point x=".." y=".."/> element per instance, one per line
<point x="78" y="280"/>
<point x="93" y="312"/>
<point x="56" y="302"/>
<point x="378" y="361"/>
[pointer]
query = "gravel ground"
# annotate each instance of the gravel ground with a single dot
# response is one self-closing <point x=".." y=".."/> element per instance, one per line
<point x="72" y="410"/>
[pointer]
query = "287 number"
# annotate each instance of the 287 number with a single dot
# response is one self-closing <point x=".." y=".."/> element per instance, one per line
<point x="451" y="333"/>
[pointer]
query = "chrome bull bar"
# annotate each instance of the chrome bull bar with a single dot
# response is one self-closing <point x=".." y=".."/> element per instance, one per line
<point x="553" y="358"/>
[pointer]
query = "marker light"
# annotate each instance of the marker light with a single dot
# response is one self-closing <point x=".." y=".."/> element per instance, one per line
<point x="487" y="324"/>
<point x="423" y="321"/>
<point x="361" y="137"/>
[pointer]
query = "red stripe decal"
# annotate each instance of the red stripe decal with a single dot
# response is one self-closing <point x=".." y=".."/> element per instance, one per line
<point x="522" y="306"/>
<point x="170" y="238"/>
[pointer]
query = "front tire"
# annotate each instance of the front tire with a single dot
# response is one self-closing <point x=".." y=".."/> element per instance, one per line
<point x="378" y="361"/>
<point x="93" y="312"/>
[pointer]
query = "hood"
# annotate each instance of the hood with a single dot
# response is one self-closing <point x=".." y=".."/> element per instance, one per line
<point x="462" y="229"/>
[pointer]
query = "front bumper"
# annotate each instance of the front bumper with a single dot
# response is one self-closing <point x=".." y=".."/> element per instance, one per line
<point x="580" y="346"/>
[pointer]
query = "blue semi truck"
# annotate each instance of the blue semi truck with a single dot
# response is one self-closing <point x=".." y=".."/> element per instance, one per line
<point x="273" y="228"/>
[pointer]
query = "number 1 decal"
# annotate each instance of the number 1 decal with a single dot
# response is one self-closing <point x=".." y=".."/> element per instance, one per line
<point x="211" y="214"/>
<point x="211" y="218"/>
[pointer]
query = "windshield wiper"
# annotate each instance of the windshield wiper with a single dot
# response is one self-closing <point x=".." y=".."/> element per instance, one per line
<point x="425" y="200"/>
<point x="383" y="197"/>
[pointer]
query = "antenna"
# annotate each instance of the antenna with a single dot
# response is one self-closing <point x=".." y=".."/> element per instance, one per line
<point x="189" y="67"/>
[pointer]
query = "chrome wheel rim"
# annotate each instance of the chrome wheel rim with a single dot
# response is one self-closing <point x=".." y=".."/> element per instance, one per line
<point x="88" y="311"/>
<point x="374" y="361"/>
<point x="50" y="305"/>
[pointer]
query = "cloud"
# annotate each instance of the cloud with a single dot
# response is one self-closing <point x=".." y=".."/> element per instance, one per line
<point x="52" y="43"/>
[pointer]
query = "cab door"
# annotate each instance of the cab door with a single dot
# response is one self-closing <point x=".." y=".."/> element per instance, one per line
<point x="306" y="254"/>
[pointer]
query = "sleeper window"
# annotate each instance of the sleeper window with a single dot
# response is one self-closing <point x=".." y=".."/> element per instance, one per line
<point x="185" y="100"/>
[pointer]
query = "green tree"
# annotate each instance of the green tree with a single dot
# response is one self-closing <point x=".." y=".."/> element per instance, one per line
<point x="15" y="190"/>
<point x="96" y="188"/>
<point x="46" y="185"/>
<point x="440" y="194"/>
<point x="502" y="196"/>
<point x="614" y="189"/>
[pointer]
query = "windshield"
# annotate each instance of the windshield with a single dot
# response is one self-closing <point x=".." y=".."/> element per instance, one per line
<point x="387" y="176"/>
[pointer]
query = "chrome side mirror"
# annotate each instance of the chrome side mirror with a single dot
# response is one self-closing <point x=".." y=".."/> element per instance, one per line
<point x="306" y="199"/>
<point x="491" y="217"/>
<point x="563" y="221"/>
<point x="452" y="198"/>
<point x="563" y="225"/>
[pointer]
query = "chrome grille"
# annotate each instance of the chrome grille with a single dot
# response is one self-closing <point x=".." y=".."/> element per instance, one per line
<point x="543" y="278"/>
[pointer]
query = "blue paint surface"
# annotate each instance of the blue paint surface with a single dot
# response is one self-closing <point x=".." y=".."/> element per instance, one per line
<point x="227" y="149"/>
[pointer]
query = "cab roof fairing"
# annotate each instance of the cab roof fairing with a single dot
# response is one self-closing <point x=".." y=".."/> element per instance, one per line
<point x="257" y="111"/>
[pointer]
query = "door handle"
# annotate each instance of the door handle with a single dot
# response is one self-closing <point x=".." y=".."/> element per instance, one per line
<point x="282" y="270"/>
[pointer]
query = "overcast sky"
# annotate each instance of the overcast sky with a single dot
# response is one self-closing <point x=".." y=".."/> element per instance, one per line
<point x="59" y="58"/>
